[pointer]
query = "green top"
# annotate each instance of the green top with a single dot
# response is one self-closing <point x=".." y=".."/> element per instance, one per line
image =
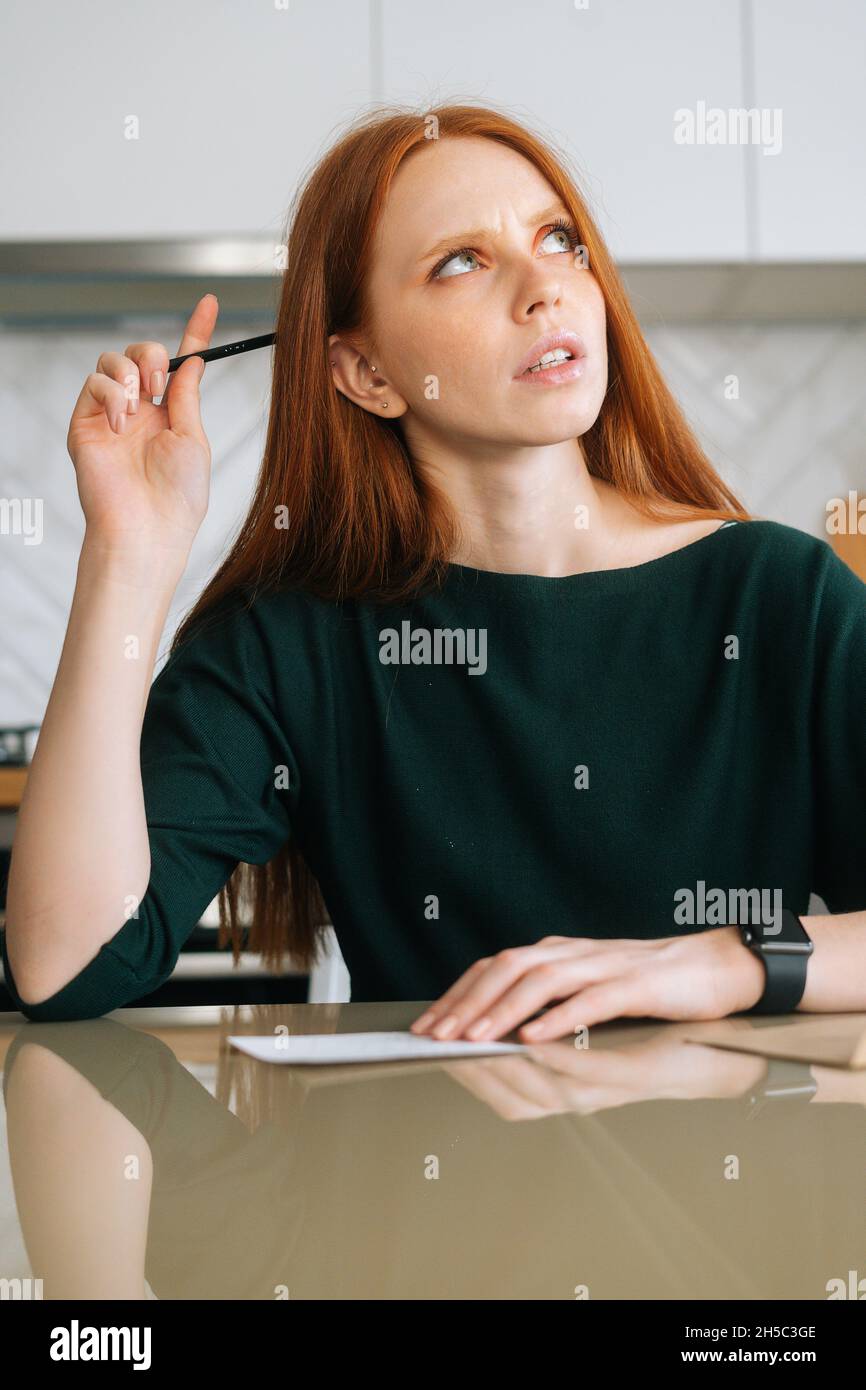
<point x="599" y="745"/>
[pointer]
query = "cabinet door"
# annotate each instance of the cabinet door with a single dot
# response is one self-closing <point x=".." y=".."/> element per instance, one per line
<point x="604" y="82"/>
<point x="232" y="101"/>
<point x="810" y="63"/>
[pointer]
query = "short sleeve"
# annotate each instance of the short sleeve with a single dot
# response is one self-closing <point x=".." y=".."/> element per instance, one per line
<point x="839" y="739"/>
<point x="219" y="788"/>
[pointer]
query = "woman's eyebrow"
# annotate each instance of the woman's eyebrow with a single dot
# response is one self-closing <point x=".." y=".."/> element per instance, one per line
<point x="484" y="233"/>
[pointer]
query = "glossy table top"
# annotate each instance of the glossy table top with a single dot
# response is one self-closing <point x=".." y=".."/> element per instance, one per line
<point x="145" y="1157"/>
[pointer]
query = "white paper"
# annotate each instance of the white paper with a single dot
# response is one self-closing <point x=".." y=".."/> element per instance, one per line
<point x="362" y="1047"/>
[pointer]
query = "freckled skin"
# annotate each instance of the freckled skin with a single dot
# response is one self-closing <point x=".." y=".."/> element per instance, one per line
<point x="507" y="454"/>
<point x="470" y="329"/>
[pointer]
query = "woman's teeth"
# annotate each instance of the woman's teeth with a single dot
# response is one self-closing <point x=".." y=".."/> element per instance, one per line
<point x="551" y="359"/>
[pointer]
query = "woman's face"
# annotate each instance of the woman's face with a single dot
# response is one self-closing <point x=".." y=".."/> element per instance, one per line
<point x="449" y="335"/>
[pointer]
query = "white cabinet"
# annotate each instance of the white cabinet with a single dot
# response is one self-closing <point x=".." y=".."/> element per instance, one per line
<point x="605" y="83"/>
<point x="810" y="63"/>
<point x="231" y="103"/>
<point x="232" y="100"/>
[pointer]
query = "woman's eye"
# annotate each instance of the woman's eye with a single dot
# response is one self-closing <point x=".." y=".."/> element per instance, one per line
<point x="566" y="240"/>
<point x="444" y="272"/>
<point x="455" y="263"/>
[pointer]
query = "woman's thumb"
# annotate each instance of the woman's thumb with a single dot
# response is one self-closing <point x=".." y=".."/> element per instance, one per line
<point x="196" y="369"/>
<point x="184" y="414"/>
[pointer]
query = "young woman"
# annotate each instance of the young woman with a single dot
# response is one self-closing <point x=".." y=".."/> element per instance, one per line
<point x="498" y="673"/>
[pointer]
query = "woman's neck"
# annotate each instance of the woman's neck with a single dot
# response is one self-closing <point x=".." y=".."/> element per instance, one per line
<point x="538" y="512"/>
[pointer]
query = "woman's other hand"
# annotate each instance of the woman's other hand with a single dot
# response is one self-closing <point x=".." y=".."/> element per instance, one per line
<point x="583" y="981"/>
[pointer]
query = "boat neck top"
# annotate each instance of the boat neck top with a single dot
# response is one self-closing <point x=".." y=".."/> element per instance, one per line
<point x="618" y="579"/>
<point x="618" y="753"/>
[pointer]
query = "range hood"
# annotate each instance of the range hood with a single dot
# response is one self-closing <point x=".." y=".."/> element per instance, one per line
<point x="81" y="282"/>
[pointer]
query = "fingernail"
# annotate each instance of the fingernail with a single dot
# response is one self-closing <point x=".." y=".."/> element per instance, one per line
<point x="532" y="1029"/>
<point x="479" y="1029"/>
<point x="423" y="1022"/>
<point x="157" y="383"/>
<point x="121" y="422"/>
<point x="446" y="1026"/>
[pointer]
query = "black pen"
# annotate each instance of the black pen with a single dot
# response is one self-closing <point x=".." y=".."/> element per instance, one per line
<point x="227" y="350"/>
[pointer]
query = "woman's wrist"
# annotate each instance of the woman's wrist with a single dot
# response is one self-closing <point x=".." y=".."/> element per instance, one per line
<point x="747" y="971"/>
<point x="834" y="970"/>
<point x="835" y="973"/>
<point x="138" y="565"/>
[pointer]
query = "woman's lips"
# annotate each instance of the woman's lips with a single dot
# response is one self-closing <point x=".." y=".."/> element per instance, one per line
<point x="549" y="342"/>
<point x="569" y="370"/>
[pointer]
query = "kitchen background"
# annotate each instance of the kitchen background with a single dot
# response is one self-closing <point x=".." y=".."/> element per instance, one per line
<point x="151" y="155"/>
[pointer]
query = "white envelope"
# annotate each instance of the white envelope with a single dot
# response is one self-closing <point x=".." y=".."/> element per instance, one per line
<point x="319" y="1048"/>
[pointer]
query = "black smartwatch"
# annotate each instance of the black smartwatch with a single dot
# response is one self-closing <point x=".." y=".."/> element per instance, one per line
<point x="785" y="947"/>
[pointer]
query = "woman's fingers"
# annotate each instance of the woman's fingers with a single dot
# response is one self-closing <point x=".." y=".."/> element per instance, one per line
<point x="485" y="982"/>
<point x="198" y="332"/>
<point x="599" y="1002"/>
<point x="151" y="359"/>
<point x="200" y="325"/>
<point x="101" y="395"/>
<point x="184" y="402"/>
<point x="120" y="367"/>
<point x="545" y="982"/>
<point x="151" y="362"/>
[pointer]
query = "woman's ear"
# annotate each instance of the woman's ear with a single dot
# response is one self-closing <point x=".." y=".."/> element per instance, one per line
<point x="361" y="381"/>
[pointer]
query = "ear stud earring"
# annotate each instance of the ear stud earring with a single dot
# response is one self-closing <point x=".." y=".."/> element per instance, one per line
<point x="384" y="403"/>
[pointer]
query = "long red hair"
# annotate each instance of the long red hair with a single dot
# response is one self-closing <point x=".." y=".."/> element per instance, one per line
<point x="363" y="521"/>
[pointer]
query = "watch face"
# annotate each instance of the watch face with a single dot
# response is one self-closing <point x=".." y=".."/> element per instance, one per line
<point x="786" y="935"/>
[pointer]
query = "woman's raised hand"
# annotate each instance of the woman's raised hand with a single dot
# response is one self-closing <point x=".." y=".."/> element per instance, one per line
<point x="143" y="470"/>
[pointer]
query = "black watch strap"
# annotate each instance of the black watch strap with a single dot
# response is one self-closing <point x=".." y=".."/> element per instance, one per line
<point x="785" y="968"/>
<point x="785" y="983"/>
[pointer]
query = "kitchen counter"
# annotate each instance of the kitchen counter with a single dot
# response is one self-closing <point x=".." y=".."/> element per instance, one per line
<point x="145" y="1157"/>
